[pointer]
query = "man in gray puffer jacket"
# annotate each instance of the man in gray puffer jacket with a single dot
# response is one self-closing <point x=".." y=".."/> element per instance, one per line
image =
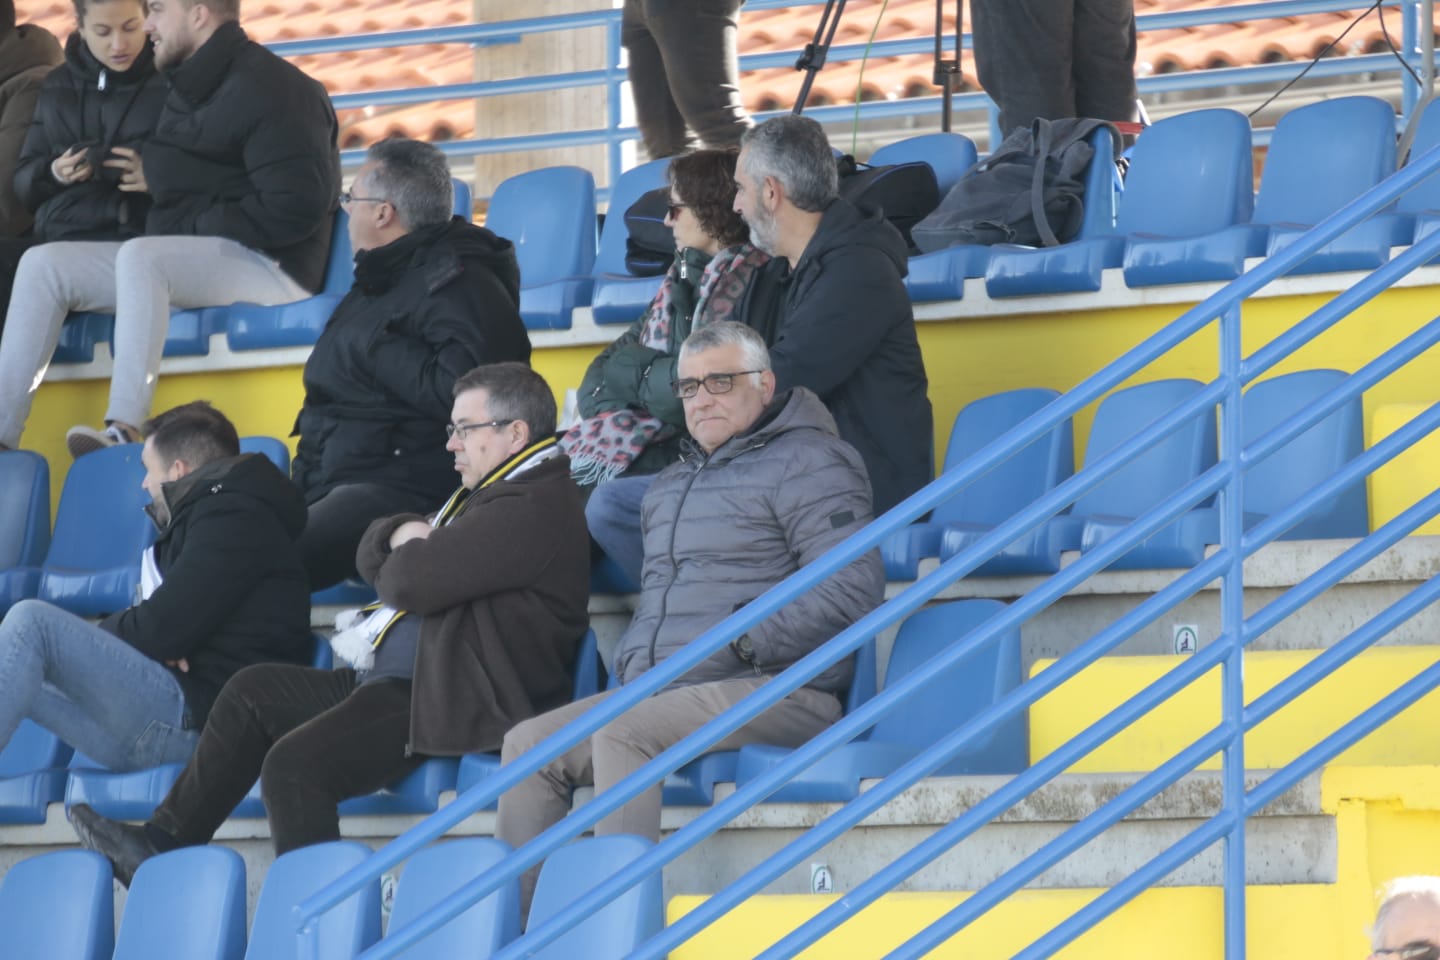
<point x="766" y="487"/>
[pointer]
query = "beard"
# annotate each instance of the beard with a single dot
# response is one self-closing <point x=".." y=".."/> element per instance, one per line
<point x="173" y="51"/>
<point x="762" y="231"/>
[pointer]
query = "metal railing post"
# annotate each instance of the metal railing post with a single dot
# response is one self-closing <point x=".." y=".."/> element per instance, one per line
<point x="1232" y="624"/>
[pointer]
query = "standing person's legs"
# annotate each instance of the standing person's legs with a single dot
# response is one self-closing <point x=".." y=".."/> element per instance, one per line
<point x="90" y="688"/>
<point x="257" y="707"/>
<point x="1023" y="56"/>
<point x="354" y="748"/>
<point x="51" y="280"/>
<point x="338" y="520"/>
<point x="662" y="128"/>
<point x="153" y="274"/>
<point x="697" y="41"/>
<point x="543" y="798"/>
<point x="1105" y="59"/>
<point x="613" y="515"/>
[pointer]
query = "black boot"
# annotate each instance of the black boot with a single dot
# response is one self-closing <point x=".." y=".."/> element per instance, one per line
<point x="125" y="845"/>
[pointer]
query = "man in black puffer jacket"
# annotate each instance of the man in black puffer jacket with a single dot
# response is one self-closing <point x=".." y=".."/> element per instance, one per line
<point x="243" y="174"/>
<point x="434" y="296"/>
<point x="222" y="589"/>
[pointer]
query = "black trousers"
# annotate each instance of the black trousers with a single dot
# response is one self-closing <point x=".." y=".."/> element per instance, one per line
<point x="313" y="737"/>
<point x="11" y="250"/>
<point x="1056" y="58"/>
<point x="337" y="522"/>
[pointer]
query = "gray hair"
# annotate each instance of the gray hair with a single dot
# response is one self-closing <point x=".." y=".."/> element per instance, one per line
<point x="723" y="333"/>
<point x="514" y="392"/>
<point x="1403" y="888"/>
<point x="415" y="178"/>
<point x="795" y="151"/>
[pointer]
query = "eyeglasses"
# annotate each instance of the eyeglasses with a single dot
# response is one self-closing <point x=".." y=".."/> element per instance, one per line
<point x="462" y="429"/>
<point x="715" y="384"/>
<point x="675" y="209"/>
<point x="1415" y="950"/>
<point x="347" y="198"/>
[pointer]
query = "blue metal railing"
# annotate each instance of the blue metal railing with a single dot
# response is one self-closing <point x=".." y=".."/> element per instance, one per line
<point x="613" y="135"/>
<point x="1225" y="478"/>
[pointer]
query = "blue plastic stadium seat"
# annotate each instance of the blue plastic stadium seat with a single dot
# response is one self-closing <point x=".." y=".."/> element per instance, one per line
<point x="993" y="498"/>
<point x="549" y="215"/>
<point x="276" y="450"/>
<point x="119" y="796"/>
<point x="947" y="700"/>
<point x="79" y="334"/>
<point x="607" y="577"/>
<point x="253" y="327"/>
<point x="1276" y="482"/>
<point x="24" y="524"/>
<point x="475" y="767"/>
<point x="347" y="593"/>
<point x="187" y="904"/>
<point x="343" y="932"/>
<point x="949" y="155"/>
<point x="1190" y="175"/>
<point x="438" y="871"/>
<point x="32" y="773"/>
<point x="1419" y="209"/>
<point x="693" y="785"/>
<point x="1016" y="271"/>
<point x="1103" y="512"/>
<point x="101" y="528"/>
<point x="59" y="906"/>
<point x="618" y="296"/>
<point x="1132" y="490"/>
<point x="616" y="929"/>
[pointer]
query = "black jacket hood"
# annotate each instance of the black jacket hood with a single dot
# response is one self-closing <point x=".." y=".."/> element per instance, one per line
<point x="845" y="225"/>
<point x="441" y="251"/>
<point x="249" y="475"/>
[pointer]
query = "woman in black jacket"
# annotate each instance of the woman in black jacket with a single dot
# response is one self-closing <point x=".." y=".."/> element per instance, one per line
<point x="106" y="94"/>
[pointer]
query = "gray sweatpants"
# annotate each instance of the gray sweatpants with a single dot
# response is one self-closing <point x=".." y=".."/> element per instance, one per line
<point x="628" y="743"/>
<point x="139" y="280"/>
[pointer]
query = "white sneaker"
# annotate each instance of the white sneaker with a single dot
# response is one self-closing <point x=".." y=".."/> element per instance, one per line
<point x="83" y="440"/>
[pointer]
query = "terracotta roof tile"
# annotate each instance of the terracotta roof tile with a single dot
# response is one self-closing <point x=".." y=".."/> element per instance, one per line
<point x="1290" y="38"/>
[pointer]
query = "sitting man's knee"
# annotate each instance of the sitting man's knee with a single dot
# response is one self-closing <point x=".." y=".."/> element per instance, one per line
<point x="521" y="738"/>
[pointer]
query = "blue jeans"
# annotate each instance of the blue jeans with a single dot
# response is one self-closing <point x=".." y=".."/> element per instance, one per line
<point x="613" y="516"/>
<point x="96" y="692"/>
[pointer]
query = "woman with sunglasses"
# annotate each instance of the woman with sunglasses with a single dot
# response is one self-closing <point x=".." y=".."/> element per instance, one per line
<point x="632" y="421"/>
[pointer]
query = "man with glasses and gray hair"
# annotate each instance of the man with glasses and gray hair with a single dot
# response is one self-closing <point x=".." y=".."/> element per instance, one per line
<point x="484" y="605"/>
<point x="764" y="486"/>
<point x="1407" y="925"/>
<point x="434" y="296"/>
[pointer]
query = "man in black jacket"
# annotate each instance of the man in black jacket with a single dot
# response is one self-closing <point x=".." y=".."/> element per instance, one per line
<point x="222" y="588"/>
<point x="243" y="173"/>
<point x="832" y="305"/>
<point x="434" y="296"/>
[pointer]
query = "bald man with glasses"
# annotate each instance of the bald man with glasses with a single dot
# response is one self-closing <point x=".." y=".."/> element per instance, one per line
<point x="765" y="486"/>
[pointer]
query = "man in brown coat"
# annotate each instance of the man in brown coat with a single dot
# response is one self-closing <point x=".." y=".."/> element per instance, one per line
<point x="483" y="606"/>
<point x="28" y="53"/>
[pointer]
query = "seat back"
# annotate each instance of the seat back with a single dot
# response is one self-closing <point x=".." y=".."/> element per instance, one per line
<point x="32" y="748"/>
<point x="1425" y="196"/>
<point x="59" y="906"/>
<point x="996" y="496"/>
<point x="272" y="447"/>
<point x="187" y="904"/>
<point x="344" y="931"/>
<point x="954" y="695"/>
<point x="340" y="268"/>
<point x="1102" y="187"/>
<point x="24" y="509"/>
<point x="1322" y="156"/>
<point x="549" y="214"/>
<point x="626" y="190"/>
<point x="93" y="565"/>
<point x="461" y="205"/>
<point x="438" y="871"/>
<point x="616" y="929"/>
<point x="1190" y="175"/>
<point x="1277" y="481"/>
<point x="1159" y="471"/>
<point x="949" y="155"/>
